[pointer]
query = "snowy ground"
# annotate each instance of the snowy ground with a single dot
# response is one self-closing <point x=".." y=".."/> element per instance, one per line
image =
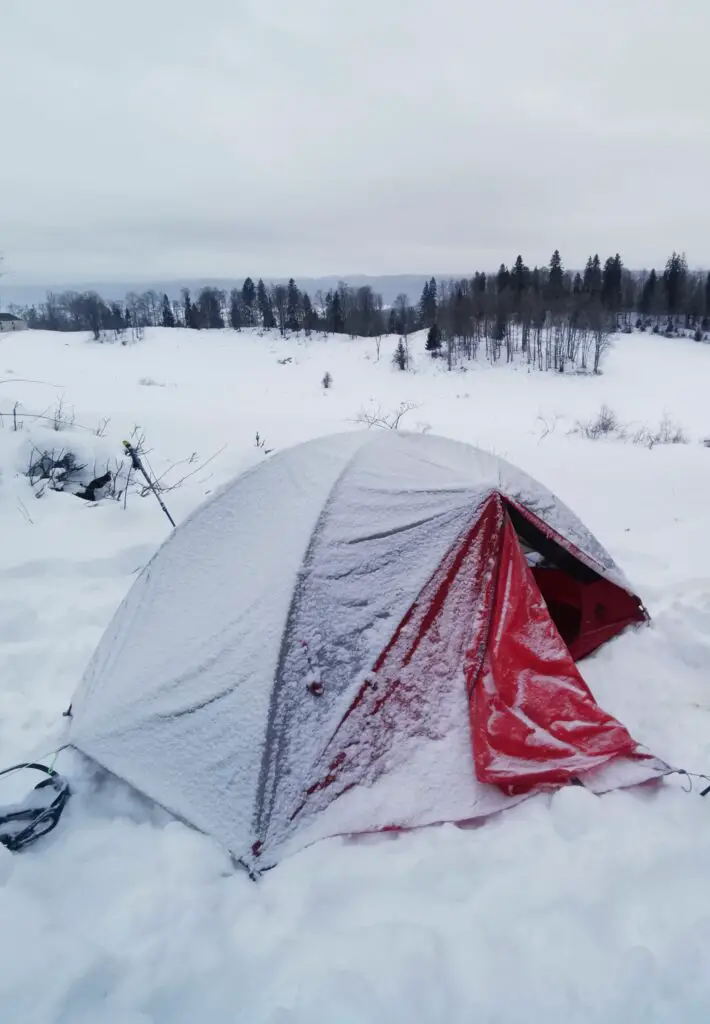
<point x="574" y="909"/>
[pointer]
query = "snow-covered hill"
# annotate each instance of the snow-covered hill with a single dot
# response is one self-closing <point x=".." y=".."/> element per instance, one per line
<point x="572" y="909"/>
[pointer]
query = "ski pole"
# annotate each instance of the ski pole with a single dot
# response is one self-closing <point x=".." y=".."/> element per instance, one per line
<point x="138" y="465"/>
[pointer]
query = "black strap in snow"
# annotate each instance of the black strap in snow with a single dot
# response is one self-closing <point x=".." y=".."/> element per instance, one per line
<point x="22" y="823"/>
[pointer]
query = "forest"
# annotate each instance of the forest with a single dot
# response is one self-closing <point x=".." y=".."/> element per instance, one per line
<point x="553" y="317"/>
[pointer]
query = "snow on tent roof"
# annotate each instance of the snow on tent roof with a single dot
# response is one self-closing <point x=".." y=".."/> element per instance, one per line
<point x="226" y="675"/>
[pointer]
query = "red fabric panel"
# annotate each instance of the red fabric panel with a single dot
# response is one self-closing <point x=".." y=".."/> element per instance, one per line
<point x="534" y="721"/>
<point x="587" y="614"/>
<point x="557" y="586"/>
<point x="412" y="678"/>
<point x="607" y="610"/>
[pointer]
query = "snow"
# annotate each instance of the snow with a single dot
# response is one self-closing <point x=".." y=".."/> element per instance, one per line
<point x="576" y="907"/>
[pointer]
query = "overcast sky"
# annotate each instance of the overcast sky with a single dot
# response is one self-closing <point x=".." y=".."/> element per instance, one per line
<point x="222" y="137"/>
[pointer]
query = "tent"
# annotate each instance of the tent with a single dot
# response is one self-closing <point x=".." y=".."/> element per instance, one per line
<point x="369" y="631"/>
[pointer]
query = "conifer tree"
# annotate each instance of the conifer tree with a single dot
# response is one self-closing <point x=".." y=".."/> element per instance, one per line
<point x="612" y="277"/>
<point x="519" y="279"/>
<point x="236" y="310"/>
<point x="186" y="307"/>
<point x="433" y="341"/>
<point x="502" y="278"/>
<point x="593" y="276"/>
<point x="310" y="317"/>
<point x="248" y="303"/>
<point x="168" y="317"/>
<point x="428" y="304"/>
<point x="337" y="320"/>
<point x="293" y="307"/>
<point x="266" y="311"/>
<point x="674" y="282"/>
<point x="556" y="277"/>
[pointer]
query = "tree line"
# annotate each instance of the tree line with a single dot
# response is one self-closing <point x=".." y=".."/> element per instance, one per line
<point x="557" y="318"/>
<point x="343" y="310"/>
<point x="552" y="315"/>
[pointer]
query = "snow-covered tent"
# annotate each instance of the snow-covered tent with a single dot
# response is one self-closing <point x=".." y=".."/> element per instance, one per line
<point x="369" y="631"/>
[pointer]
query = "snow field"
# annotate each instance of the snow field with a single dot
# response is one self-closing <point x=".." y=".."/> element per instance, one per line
<point x="570" y="908"/>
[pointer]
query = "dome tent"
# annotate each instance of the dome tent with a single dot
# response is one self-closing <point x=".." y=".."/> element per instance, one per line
<point x="369" y="631"/>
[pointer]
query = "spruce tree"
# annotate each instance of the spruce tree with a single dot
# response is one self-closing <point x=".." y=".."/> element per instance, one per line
<point x="168" y="317"/>
<point x="593" y="276"/>
<point x="266" y="311"/>
<point x="674" y="282"/>
<point x="502" y="278"/>
<point x="236" y="309"/>
<point x="293" y="307"/>
<point x="337" y="321"/>
<point x="279" y="297"/>
<point x="310" y="317"/>
<point x="186" y="307"/>
<point x="192" y="315"/>
<point x="248" y="302"/>
<point x="556" y="277"/>
<point x="433" y="341"/>
<point x="424" y="306"/>
<point x="519" y="279"/>
<point x="428" y="304"/>
<point x="611" y="291"/>
<point x="400" y="356"/>
<point x="433" y="299"/>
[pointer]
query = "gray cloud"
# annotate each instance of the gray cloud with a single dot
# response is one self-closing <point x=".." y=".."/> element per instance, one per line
<point x="168" y="137"/>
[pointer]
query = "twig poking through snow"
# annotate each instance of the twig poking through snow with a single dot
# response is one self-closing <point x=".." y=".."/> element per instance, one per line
<point x="25" y="512"/>
<point x="389" y="421"/>
<point x="548" y="426"/>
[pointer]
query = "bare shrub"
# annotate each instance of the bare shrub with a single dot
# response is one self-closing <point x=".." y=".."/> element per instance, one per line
<point x="62" y="418"/>
<point x="602" y="425"/>
<point x="376" y="417"/>
<point x="606" y="424"/>
<point x="548" y="425"/>
<point x="667" y="432"/>
<point x="55" y="469"/>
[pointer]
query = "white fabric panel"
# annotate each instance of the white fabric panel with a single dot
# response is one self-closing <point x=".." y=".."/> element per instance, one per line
<point x="175" y="700"/>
